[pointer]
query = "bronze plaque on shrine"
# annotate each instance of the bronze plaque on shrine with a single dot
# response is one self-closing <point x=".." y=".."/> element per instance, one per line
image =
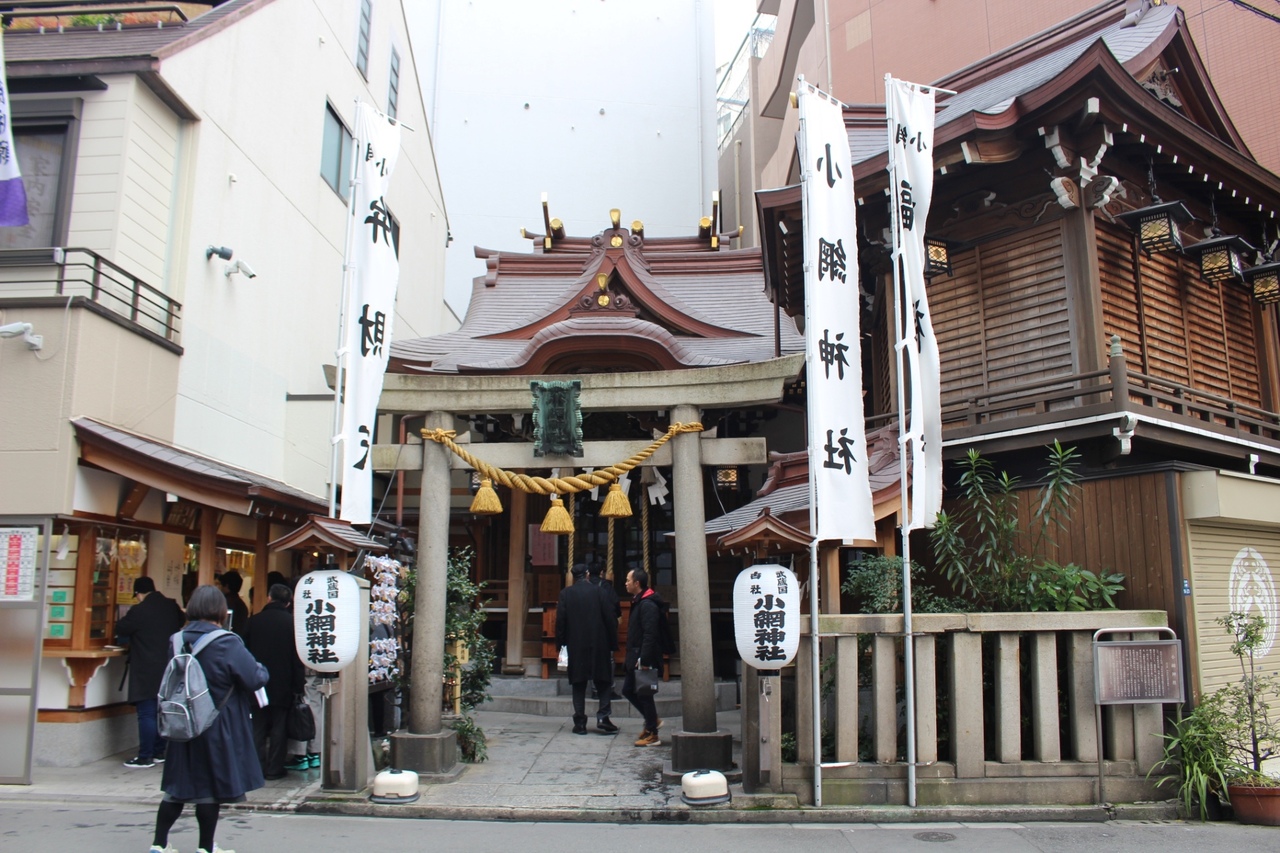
<point x="1137" y="672"/>
<point x="557" y="418"/>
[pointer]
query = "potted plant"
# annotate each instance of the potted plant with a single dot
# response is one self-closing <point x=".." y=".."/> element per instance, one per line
<point x="1251" y="725"/>
<point x="1220" y="747"/>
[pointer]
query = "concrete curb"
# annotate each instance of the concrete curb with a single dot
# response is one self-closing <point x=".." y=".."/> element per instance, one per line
<point x="729" y="813"/>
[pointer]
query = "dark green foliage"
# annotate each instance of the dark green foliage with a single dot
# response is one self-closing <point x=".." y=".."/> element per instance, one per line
<point x="978" y="546"/>
<point x="875" y="581"/>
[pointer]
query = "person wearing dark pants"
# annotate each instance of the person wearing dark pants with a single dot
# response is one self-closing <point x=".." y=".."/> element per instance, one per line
<point x="146" y="629"/>
<point x="644" y="651"/>
<point x="269" y="637"/>
<point x="586" y="624"/>
<point x="218" y="765"/>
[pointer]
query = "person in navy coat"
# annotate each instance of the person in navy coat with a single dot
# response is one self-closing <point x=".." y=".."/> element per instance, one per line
<point x="220" y="765"/>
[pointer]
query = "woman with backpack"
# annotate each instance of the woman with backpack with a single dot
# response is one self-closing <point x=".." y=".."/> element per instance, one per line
<point x="220" y="764"/>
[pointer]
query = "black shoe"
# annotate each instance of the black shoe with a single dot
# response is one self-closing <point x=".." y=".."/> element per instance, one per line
<point x="580" y="728"/>
<point x="607" y="727"/>
<point x="274" y="776"/>
<point x="135" y="763"/>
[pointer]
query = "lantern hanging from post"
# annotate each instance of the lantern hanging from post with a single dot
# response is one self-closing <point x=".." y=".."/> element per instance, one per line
<point x="766" y="615"/>
<point x="937" y="257"/>
<point x="1157" y="224"/>
<point x="1220" y="257"/>
<point x="1264" y="280"/>
<point x="326" y="620"/>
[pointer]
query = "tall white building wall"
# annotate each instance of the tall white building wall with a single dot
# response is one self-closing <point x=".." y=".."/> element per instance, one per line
<point x="600" y="104"/>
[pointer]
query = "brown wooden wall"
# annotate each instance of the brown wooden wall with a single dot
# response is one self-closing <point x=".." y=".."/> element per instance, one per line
<point x="1175" y="326"/>
<point x="1001" y="320"/>
<point x="1121" y="524"/>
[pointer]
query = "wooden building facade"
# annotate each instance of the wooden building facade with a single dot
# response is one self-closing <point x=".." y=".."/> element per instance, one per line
<point x="1055" y="323"/>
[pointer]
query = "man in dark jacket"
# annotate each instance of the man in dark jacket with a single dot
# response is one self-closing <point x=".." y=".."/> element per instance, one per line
<point x="230" y="582"/>
<point x="146" y="628"/>
<point x="644" y="651"/>
<point x="269" y="638"/>
<point x="585" y="622"/>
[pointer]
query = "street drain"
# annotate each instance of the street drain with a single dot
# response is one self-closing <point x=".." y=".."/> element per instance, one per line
<point x="934" y="836"/>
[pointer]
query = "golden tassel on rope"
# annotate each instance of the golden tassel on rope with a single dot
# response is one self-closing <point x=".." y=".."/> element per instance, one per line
<point x="486" y="501"/>
<point x="615" y="504"/>
<point x="557" y="520"/>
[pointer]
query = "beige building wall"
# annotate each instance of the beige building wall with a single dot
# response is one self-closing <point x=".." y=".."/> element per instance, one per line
<point x="87" y="366"/>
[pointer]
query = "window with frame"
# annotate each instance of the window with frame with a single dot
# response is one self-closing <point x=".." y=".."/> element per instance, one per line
<point x="335" y="153"/>
<point x="393" y="86"/>
<point x="45" y="134"/>
<point x="362" y="45"/>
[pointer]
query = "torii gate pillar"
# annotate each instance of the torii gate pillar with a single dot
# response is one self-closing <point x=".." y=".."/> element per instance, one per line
<point x="701" y="745"/>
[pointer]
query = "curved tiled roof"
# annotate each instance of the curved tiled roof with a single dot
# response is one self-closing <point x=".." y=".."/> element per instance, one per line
<point x="700" y="307"/>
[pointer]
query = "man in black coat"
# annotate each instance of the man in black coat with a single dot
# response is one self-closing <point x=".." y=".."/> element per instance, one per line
<point x="269" y="638"/>
<point x="585" y="622"/>
<point x="644" y="651"/>
<point x="230" y="582"/>
<point x="146" y="629"/>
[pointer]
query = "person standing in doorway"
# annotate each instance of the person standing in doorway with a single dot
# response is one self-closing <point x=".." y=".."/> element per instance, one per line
<point x="644" y="651"/>
<point x="585" y="622"/>
<point x="230" y="582"/>
<point x="146" y="629"/>
<point x="218" y="766"/>
<point x="269" y="638"/>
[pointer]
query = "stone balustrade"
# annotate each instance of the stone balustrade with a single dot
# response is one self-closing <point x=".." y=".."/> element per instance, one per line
<point x="1004" y="707"/>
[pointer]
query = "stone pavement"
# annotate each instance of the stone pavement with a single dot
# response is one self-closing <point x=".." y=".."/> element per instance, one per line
<point x="538" y="770"/>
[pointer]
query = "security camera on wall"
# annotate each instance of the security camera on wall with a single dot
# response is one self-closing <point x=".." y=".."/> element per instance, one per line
<point x="240" y="267"/>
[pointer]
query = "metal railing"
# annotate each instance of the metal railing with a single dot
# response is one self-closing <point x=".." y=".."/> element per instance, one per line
<point x="83" y="273"/>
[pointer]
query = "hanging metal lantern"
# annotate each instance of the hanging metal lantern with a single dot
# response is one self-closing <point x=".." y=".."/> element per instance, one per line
<point x="1264" y="280"/>
<point x="1157" y="225"/>
<point x="937" y="257"/>
<point x="1220" y="257"/>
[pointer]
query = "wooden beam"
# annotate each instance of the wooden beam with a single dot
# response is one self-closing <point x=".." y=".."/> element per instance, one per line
<point x="133" y="500"/>
<point x="209" y="518"/>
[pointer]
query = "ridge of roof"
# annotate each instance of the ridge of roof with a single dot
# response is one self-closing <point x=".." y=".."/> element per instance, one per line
<point x="82" y="46"/>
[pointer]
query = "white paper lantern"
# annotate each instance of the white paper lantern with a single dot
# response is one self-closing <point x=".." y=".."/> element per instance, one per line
<point x="326" y="620"/>
<point x="766" y="615"/>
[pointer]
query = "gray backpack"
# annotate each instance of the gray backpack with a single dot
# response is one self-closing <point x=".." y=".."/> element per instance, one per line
<point x="186" y="707"/>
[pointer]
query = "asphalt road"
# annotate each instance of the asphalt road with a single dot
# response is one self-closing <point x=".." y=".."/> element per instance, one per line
<point x="36" y="828"/>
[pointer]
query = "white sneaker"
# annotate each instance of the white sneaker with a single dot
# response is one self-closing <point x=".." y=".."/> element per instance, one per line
<point x="165" y="849"/>
<point x="216" y="849"/>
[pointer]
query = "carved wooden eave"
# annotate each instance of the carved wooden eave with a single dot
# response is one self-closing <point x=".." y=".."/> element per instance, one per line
<point x="766" y="534"/>
<point x="330" y="534"/>
<point x="618" y="256"/>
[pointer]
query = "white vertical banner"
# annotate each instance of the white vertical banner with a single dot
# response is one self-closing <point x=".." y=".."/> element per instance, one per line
<point x="910" y="111"/>
<point x="370" y="307"/>
<point x="839" y="484"/>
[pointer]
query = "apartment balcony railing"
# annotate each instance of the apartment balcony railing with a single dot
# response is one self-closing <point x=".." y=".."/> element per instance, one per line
<point x="49" y="275"/>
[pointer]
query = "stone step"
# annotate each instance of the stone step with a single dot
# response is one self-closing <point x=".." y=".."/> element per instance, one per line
<point x="553" y="697"/>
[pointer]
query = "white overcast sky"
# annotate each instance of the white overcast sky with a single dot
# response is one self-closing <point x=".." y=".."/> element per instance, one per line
<point x="733" y="19"/>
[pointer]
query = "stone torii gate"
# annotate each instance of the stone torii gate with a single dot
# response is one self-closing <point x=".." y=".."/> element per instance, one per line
<point x="684" y="394"/>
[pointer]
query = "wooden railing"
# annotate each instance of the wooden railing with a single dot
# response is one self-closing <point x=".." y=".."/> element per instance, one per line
<point x="1004" y="708"/>
<point x="1110" y="391"/>
<point x="83" y="273"/>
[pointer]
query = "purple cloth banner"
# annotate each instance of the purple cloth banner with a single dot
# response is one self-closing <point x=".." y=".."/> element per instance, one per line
<point x="13" y="194"/>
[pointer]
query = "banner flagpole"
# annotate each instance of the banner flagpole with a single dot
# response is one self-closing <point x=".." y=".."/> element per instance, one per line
<point x="840" y="505"/>
<point x="341" y="351"/>
<point x="909" y="118"/>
